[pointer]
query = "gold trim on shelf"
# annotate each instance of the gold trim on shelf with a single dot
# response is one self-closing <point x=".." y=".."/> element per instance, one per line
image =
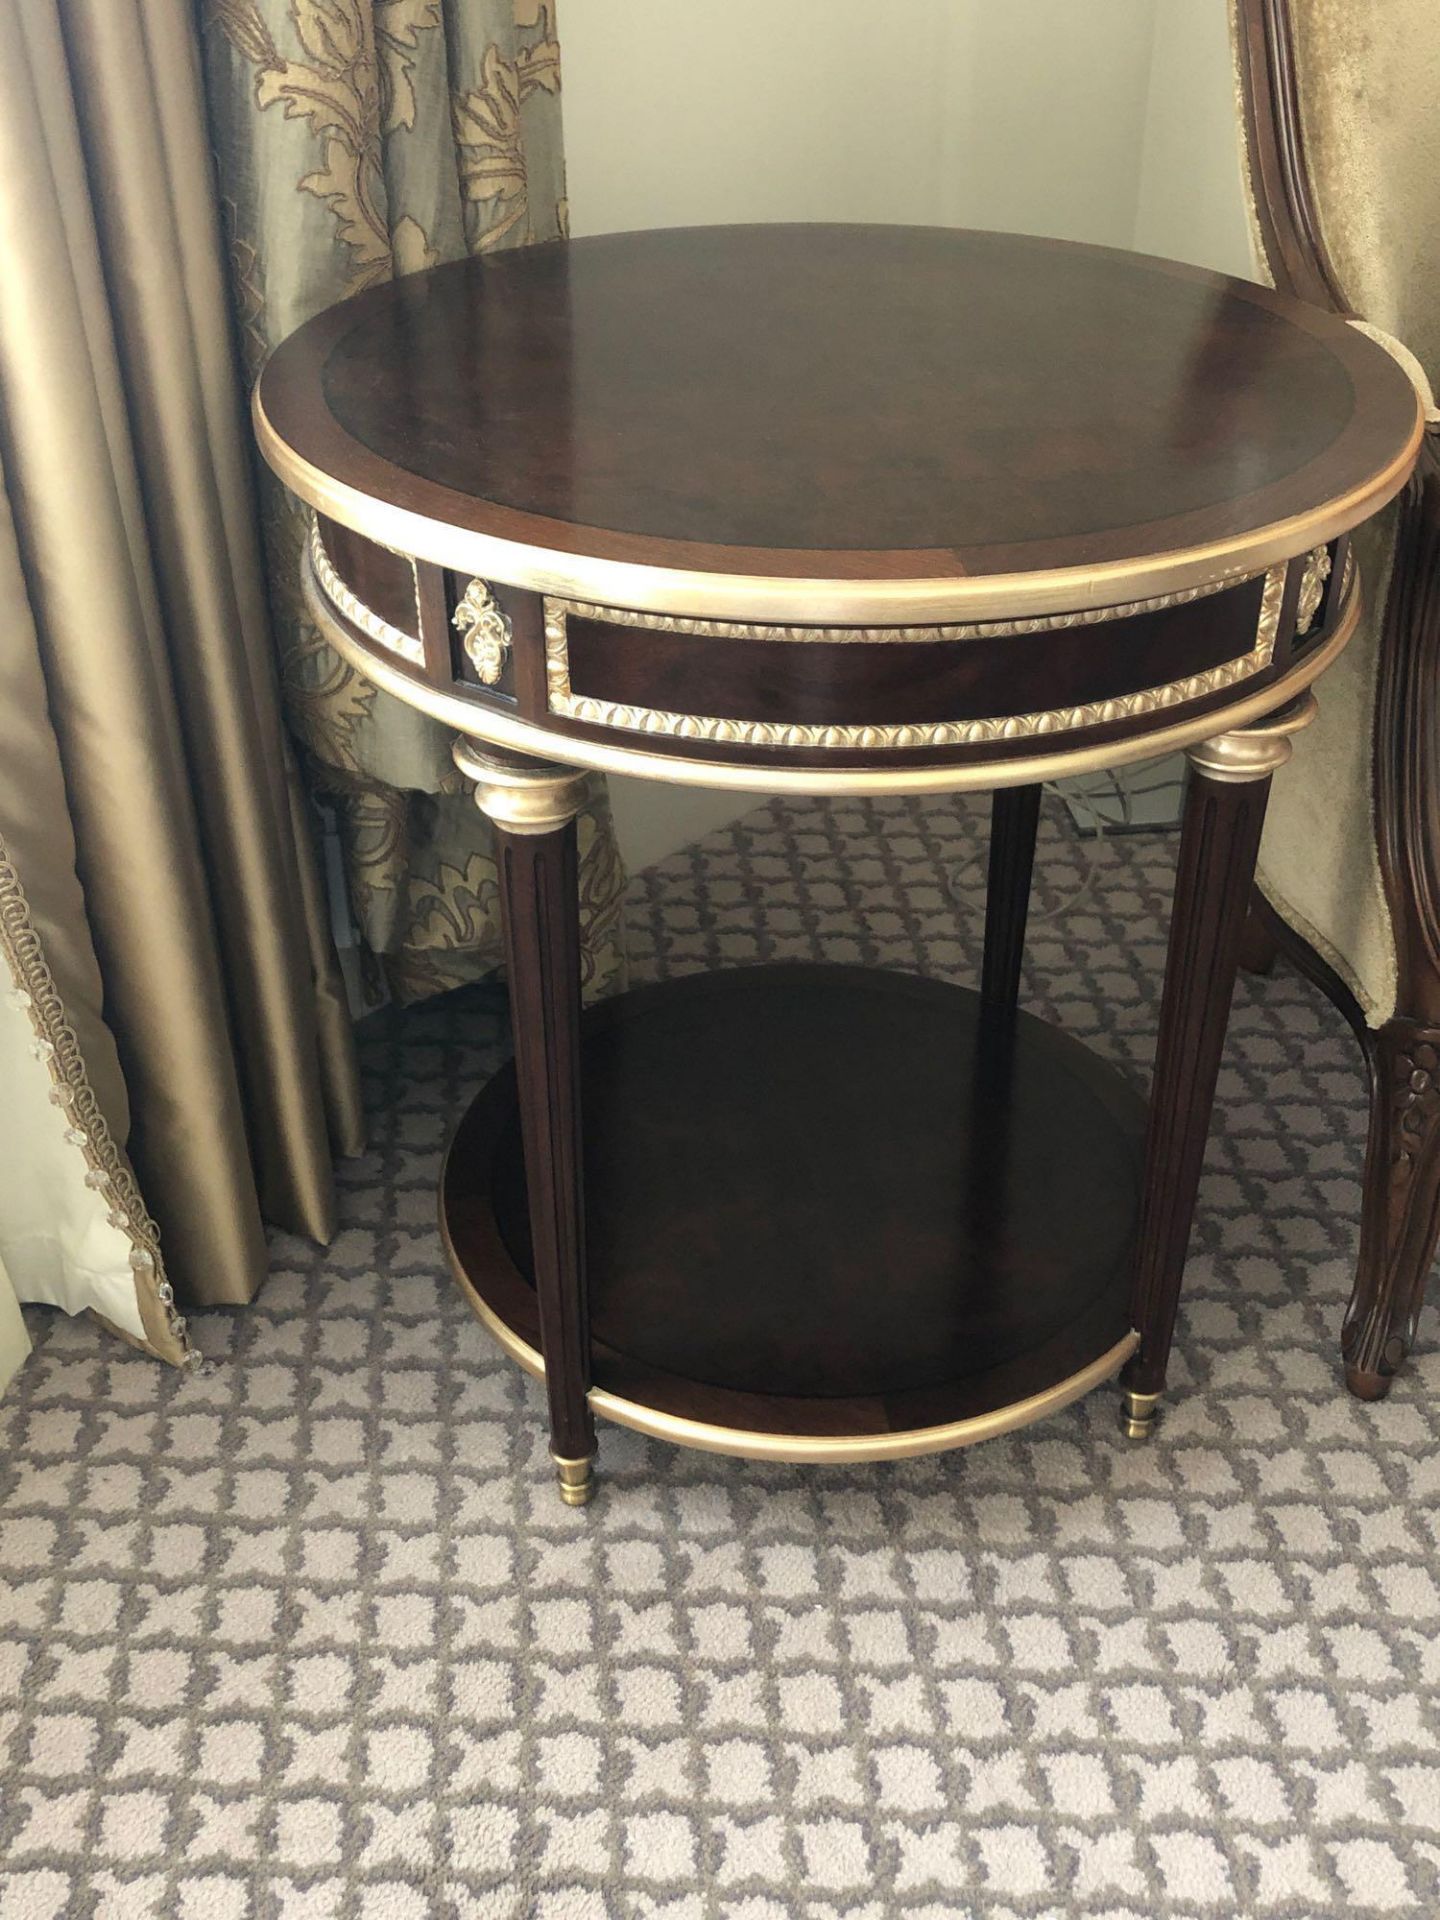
<point x="618" y="755"/>
<point x="354" y="608"/>
<point x="485" y="629"/>
<point x="698" y="592"/>
<point x="813" y="1449"/>
<point x="568" y="705"/>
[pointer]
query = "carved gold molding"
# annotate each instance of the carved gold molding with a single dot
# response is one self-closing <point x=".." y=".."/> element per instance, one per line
<point x="881" y="636"/>
<point x="1032" y="760"/>
<point x="485" y="629"/>
<point x="355" y="609"/>
<point x="1312" y="588"/>
<point x="564" y="702"/>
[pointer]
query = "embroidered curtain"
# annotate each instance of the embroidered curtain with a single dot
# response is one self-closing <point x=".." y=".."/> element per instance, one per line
<point x="358" y="140"/>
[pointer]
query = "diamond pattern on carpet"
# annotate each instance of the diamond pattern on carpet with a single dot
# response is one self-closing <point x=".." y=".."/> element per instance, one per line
<point x="310" y="1637"/>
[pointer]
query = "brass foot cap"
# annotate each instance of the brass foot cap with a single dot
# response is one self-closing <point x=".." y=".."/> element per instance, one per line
<point x="576" y="1479"/>
<point x="1139" y="1415"/>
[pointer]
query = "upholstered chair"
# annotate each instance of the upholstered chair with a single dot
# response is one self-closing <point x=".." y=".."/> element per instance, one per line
<point x="1340" y="104"/>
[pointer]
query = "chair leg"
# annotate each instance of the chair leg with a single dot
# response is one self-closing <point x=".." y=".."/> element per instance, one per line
<point x="1401" y="1214"/>
<point x="1400" y="1222"/>
<point x="1259" y="949"/>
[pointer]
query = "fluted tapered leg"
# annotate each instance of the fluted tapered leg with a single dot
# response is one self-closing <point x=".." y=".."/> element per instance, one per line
<point x="533" y="807"/>
<point x="1224" y="813"/>
<point x="1014" y="818"/>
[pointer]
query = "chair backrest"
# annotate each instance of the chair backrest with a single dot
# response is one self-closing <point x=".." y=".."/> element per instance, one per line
<point x="1342" y="144"/>
<point x="1342" y="132"/>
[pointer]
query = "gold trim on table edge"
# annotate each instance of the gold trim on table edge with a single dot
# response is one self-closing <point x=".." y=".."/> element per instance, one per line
<point x="567" y="705"/>
<point x="736" y="596"/>
<point x="480" y="721"/>
<point x="814" y="1449"/>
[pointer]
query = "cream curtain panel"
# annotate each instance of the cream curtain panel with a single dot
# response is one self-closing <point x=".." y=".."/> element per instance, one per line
<point x="164" y="929"/>
<point x="357" y="140"/>
<point x="73" y="1233"/>
<point x="14" y="1341"/>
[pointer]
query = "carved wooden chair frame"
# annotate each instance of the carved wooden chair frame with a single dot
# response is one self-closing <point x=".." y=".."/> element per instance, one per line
<point x="1400" y="1219"/>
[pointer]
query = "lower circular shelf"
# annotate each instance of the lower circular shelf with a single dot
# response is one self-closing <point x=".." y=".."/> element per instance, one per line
<point x="829" y="1214"/>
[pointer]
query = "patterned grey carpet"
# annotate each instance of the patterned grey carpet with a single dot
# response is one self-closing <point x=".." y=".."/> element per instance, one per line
<point x="310" y="1637"/>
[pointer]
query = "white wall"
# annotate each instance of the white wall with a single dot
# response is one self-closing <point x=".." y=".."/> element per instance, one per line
<point x="1103" y="120"/>
<point x="1005" y="113"/>
<point x="683" y="111"/>
<point x="1041" y="114"/>
<point x="1191" y="190"/>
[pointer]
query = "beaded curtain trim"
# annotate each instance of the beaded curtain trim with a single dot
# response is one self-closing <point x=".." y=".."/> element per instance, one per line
<point x="34" y="991"/>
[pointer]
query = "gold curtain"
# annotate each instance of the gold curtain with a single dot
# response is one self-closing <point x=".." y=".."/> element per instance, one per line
<point x="357" y="140"/>
<point x="158" y="854"/>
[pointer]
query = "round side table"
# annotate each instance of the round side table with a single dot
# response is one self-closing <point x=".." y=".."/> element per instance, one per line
<point x="836" y="510"/>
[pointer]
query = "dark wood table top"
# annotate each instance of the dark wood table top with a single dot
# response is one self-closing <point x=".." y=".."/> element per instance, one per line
<point x="931" y="418"/>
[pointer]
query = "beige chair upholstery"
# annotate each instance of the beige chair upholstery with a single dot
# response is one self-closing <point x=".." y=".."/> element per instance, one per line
<point x="1319" y="866"/>
<point x="1368" y="84"/>
<point x="1340" y="105"/>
